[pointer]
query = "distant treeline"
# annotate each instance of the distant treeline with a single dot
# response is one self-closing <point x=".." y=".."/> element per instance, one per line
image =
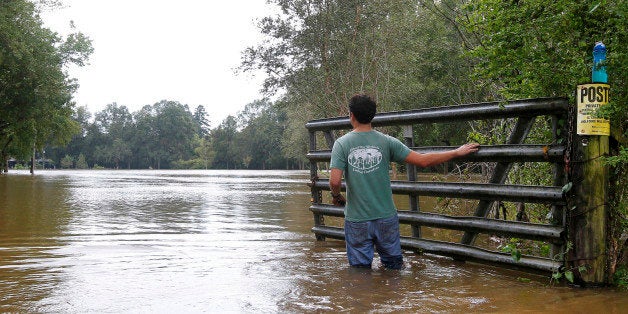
<point x="169" y="135"/>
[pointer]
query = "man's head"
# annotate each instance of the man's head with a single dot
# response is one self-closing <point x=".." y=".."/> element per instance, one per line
<point x="363" y="108"/>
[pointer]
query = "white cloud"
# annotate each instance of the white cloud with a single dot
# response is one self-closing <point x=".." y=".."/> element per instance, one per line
<point x="148" y="50"/>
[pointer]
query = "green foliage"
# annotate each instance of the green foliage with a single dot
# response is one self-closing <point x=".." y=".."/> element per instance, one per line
<point x="566" y="272"/>
<point x="174" y="128"/>
<point x="201" y="120"/>
<point x="253" y="140"/>
<point x="21" y="167"/>
<point x="81" y="163"/>
<point x="35" y="92"/>
<point x="512" y="248"/>
<point x="67" y="162"/>
<point x="518" y="247"/>
<point x="259" y="141"/>
<point x="620" y="278"/>
<point x="196" y="163"/>
<point x="205" y="153"/>
<point x="224" y="143"/>
<point x="620" y="158"/>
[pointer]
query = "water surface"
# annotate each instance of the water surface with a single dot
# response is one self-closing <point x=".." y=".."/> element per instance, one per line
<point x="223" y="241"/>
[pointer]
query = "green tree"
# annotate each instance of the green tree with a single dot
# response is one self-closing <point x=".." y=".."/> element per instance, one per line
<point x="295" y="141"/>
<point x="223" y="139"/>
<point x="260" y="139"/>
<point x="202" y="123"/>
<point x="80" y="143"/>
<point x="35" y="91"/>
<point x="115" y="125"/>
<point x="144" y="136"/>
<point x="67" y="162"/>
<point x="114" y="120"/>
<point x="175" y="129"/>
<point x="81" y="163"/>
<point x="119" y="152"/>
<point x="205" y="152"/>
<point x="164" y="133"/>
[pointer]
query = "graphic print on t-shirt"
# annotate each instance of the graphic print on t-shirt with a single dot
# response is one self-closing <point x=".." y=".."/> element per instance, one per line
<point x="365" y="159"/>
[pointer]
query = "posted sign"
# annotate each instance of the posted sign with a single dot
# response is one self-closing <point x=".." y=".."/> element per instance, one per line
<point x="591" y="97"/>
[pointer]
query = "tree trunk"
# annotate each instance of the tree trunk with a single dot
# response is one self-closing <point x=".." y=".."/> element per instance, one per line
<point x="5" y="163"/>
<point x="33" y="162"/>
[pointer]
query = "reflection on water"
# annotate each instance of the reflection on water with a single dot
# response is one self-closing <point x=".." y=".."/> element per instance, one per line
<point x="235" y="241"/>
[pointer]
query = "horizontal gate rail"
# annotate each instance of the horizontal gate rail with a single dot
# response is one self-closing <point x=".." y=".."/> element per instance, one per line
<point x="490" y="110"/>
<point x="504" y="228"/>
<point x="460" y="251"/>
<point x="480" y="191"/>
<point x="496" y="153"/>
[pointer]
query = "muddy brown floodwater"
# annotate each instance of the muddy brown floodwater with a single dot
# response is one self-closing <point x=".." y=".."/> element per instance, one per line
<point x="224" y="241"/>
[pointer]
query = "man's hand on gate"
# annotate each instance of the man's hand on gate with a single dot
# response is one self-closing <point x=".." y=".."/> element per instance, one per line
<point x="338" y="200"/>
<point x="467" y="149"/>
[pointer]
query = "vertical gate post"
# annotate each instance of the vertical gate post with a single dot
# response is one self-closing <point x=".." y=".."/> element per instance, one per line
<point x="414" y="200"/>
<point x="316" y="192"/>
<point x="558" y="211"/>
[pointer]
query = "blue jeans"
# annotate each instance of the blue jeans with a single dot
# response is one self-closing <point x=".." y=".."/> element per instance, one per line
<point x="381" y="234"/>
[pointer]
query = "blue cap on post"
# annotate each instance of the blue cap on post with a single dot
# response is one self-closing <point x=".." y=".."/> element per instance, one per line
<point x="598" y="75"/>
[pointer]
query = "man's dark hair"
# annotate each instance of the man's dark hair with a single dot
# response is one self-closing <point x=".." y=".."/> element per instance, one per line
<point x="363" y="108"/>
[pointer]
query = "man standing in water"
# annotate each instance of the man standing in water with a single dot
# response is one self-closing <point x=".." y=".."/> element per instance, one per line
<point x="363" y="155"/>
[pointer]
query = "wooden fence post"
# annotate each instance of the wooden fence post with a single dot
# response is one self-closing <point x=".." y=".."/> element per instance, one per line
<point x="588" y="218"/>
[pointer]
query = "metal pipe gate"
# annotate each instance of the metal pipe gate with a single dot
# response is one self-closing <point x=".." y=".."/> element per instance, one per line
<point x="525" y="111"/>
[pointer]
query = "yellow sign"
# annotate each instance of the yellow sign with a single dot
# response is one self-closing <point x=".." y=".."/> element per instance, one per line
<point x="590" y="97"/>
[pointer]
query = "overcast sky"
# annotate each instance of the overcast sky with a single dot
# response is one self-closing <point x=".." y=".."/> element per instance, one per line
<point x="149" y="50"/>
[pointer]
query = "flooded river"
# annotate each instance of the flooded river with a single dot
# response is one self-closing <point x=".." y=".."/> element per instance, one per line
<point x="223" y="241"/>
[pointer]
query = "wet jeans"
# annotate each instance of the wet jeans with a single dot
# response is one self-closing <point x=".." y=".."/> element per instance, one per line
<point x="382" y="234"/>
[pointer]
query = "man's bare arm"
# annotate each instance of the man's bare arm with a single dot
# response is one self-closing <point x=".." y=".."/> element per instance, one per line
<point x="433" y="159"/>
<point x="335" y="180"/>
<point x="335" y="183"/>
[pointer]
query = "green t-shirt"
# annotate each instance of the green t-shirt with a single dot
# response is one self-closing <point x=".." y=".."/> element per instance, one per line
<point x="364" y="158"/>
